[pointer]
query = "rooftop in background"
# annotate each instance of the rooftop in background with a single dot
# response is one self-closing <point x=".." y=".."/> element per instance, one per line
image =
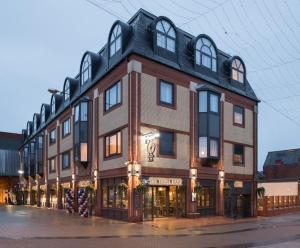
<point x="286" y="157"/>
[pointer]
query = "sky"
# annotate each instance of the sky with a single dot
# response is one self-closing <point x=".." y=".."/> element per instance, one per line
<point x="42" y="42"/>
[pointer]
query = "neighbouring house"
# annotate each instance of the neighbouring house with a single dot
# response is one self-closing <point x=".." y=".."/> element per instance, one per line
<point x="158" y="123"/>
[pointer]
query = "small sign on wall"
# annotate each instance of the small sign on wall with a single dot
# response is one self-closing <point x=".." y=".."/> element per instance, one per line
<point x="238" y="184"/>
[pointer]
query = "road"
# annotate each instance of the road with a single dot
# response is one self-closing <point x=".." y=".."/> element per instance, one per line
<point x="26" y="227"/>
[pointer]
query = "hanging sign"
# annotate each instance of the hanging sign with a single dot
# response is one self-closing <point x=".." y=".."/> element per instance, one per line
<point x="66" y="185"/>
<point x="238" y="184"/>
<point x="83" y="184"/>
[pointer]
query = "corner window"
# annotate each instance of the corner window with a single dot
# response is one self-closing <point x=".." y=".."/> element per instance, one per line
<point x="238" y="154"/>
<point x="113" y="96"/>
<point x="166" y="93"/>
<point x="66" y="127"/>
<point x="166" y="143"/>
<point x="52" y="165"/>
<point x="113" y="144"/>
<point x="86" y="69"/>
<point x="165" y="36"/>
<point x="237" y="71"/>
<point x="238" y="115"/>
<point x="214" y="103"/>
<point x="203" y="101"/>
<point x="115" y="40"/>
<point x="53" y="105"/>
<point x="206" y="54"/>
<point x="52" y="136"/>
<point x="202" y="147"/>
<point x="214" y="148"/>
<point x="65" y="160"/>
<point x="208" y="99"/>
<point x="67" y="91"/>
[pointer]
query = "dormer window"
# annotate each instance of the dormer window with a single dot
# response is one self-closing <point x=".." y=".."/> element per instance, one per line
<point x="34" y="123"/>
<point x="165" y="35"/>
<point x="206" y="54"/>
<point x="67" y="91"/>
<point x="43" y="114"/>
<point x="53" y="105"/>
<point x="237" y="71"/>
<point x="28" y="129"/>
<point x="86" y="69"/>
<point x="115" y="40"/>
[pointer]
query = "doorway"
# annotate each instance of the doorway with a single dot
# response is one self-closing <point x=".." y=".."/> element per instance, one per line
<point x="164" y="201"/>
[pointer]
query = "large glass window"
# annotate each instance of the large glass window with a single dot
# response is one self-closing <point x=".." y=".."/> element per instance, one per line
<point x="166" y="36"/>
<point x="238" y="154"/>
<point x="206" y="54"/>
<point x="238" y="115"/>
<point x="67" y="90"/>
<point x="237" y="71"/>
<point x="66" y="129"/>
<point x="113" y="96"/>
<point x="52" y="165"/>
<point x="66" y="160"/>
<point x="166" y="143"/>
<point x="86" y="69"/>
<point x="113" y="144"/>
<point x="115" y="40"/>
<point x="214" y="148"/>
<point x="202" y="147"/>
<point x="52" y="138"/>
<point x="166" y="93"/>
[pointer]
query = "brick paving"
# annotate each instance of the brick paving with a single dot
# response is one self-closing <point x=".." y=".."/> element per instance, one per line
<point x="30" y="227"/>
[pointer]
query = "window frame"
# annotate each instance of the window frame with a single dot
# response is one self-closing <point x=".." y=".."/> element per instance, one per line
<point x="67" y="91"/>
<point x="174" y="147"/>
<point x="53" y="105"/>
<point x="242" y="164"/>
<point x="43" y="115"/>
<point x="174" y="94"/>
<point x="119" y="97"/>
<point x="87" y="60"/>
<point x="62" y="160"/>
<point x="63" y="127"/>
<point x="52" y="141"/>
<point x="118" y="142"/>
<point x="49" y="169"/>
<point x="200" y="52"/>
<point x="166" y="35"/>
<point x="238" y="71"/>
<point x="243" y="116"/>
<point x="114" y="38"/>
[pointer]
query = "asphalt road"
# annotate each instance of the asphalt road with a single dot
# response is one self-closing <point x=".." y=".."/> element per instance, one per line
<point x="32" y="227"/>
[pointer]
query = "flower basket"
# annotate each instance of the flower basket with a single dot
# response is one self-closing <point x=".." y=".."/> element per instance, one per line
<point x="198" y="188"/>
<point x="261" y="192"/>
<point x="122" y="188"/>
<point x="142" y="187"/>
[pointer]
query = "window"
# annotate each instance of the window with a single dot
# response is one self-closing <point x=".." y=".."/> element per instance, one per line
<point x="165" y="36"/>
<point x="28" y="129"/>
<point x="238" y="154"/>
<point x="52" y="139"/>
<point x="166" y="143"/>
<point x="67" y="90"/>
<point x="34" y="123"/>
<point x="238" y="115"/>
<point x="214" y="151"/>
<point x="53" y="105"/>
<point x="52" y="165"/>
<point x="166" y="93"/>
<point x="203" y="101"/>
<point x="84" y="111"/>
<point x="65" y="160"/>
<point x="86" y="69"/>
<point x="113" y="144"/>
<point x="66" y="129"/>
<point x="214" y="103"/>
<point x="115" y="40"/>
<point x="237" y="70"/>
<point x="43" y="114"/>
<point x="206" y="54"/>
<point x="113" y="96"/>
<point x="202" y="147"/>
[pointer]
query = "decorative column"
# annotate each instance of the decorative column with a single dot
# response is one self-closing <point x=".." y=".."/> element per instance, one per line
<point x="191" y="194"/>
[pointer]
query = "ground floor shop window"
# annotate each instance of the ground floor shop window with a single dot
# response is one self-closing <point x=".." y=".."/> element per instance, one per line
<point x="206" y="198"/>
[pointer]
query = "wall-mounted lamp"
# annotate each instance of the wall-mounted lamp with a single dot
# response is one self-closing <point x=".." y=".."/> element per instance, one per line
<point x="57" y="179"/>
<point x="129" y="170"/>
<point x="21" y="172"/>
<point x="221" y="175"/>
<point x="137" y="169"/>
<point x="193" y="173"/>
<point x="95" y="175"/>
<point x="150" y="136"/>
<point x="45" y="181"/>
<point x="73" y="177"/>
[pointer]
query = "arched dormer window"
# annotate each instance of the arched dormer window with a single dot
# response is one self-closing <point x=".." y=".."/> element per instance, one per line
<point x="86" y="69"/>
<point x="206" y="54"/>
<point x="165" y="35"/>
<point x="43" y="114"/>
<point x="34" y="123"/>
<point x="28" y="128"/>
<point x="237" y="70"/>
<point x="115" y="40"/>
<point x="67" y="90"/>
<point x="53" y="105"/>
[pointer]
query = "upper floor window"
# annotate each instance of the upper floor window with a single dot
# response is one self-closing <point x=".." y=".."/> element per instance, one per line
<point x="115" y="40"/>
<point x="52" y="165"/>
<point x="237" y="71"/>
<point x="86" y="69"/>
<point x="52" y="138"/>
<point x="167" y="143"/>
<point x="206" y="54"/>
<point x="53" y="105"/>
<point x="166" y="36"/>
<point x="113" y="144"/>
<point x="238" y="115"/>
<point x="43" y="114"/>
<point x="66" y="127"/>
<point x="28" y="129"/>
<point x="166" y="93"/>
<point x="65" y="160"/>
<point x="67" y="90"/>
<point x="238" y="154"/>
<point x="113" y="96"/>
<point x="34" y="123"/>
<point x="208" y="99"/>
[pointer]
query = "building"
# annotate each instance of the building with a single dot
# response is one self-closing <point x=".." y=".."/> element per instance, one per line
<point x="9" y="165"/>
<point x="283" y="164"/>
<point x="157" y="123"/>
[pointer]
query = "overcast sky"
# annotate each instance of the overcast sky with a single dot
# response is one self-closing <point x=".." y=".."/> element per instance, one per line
<point x="42" y="42"/>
